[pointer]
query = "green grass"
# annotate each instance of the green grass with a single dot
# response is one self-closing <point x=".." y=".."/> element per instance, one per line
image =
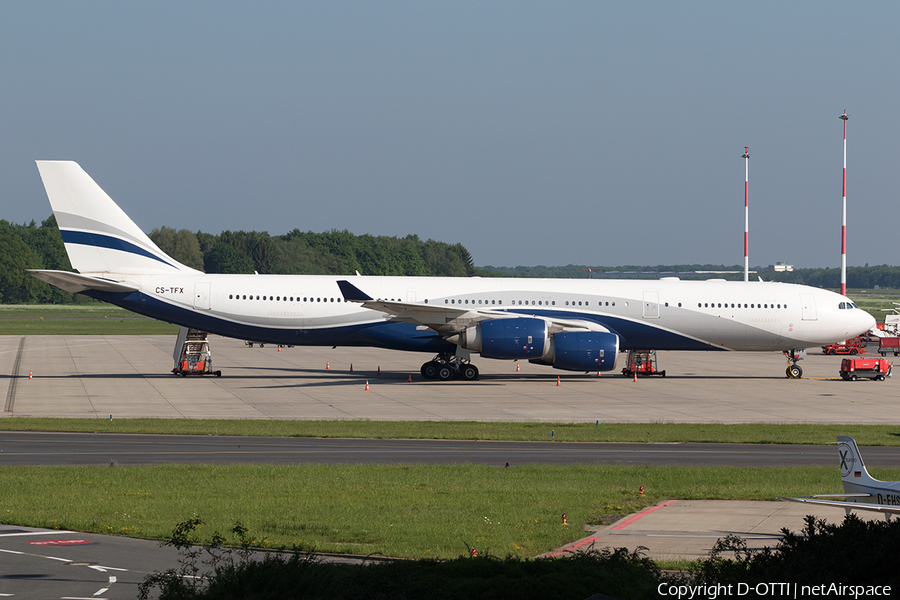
<point x="876" y="302"/>
<point x="418" y="511"/>
<point x="753" y="433"/>
<point x="71" y="319"/>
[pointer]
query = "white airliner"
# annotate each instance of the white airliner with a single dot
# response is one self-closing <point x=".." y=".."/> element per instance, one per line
<point x="571" y="324"/>
<point x="863" y="492"/>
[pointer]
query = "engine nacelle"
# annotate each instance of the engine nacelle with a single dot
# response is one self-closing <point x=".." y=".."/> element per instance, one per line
<point x="584" y="351"/>
<point x="516" y="338"/>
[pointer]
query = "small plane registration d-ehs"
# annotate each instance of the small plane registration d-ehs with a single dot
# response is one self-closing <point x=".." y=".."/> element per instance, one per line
<point x="861" y="490"/>
<point x="571" y="324"/>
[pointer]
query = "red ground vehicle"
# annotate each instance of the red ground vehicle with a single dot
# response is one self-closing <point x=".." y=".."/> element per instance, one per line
<point x="852" y="346"/>
<point x="889" y="344"/>
<point x="865" y="368"/>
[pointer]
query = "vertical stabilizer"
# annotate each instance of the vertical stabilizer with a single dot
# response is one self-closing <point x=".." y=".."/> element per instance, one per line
<point x="99" y="237"/>
<point x="853" y="470"/>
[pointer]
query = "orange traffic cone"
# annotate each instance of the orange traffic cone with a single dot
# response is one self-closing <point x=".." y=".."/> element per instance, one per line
<point x="30" y="376"/>
<point x="279" y="347"/>
<point x="351" y="367"/>
<point x="367" y="385"/>
<point x="327" y="364"/>
<point x="518" y="370"/>
<point x="635" y="375"/>
<point x="599" y="374"/>
<point x="557" y="380"/>
<point x="410" y="378"/>
<point x="379" y="370"/>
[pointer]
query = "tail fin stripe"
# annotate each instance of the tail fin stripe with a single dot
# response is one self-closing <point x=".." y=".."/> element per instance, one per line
<point x="70" y="222"/>
<point x="99" y="240"/>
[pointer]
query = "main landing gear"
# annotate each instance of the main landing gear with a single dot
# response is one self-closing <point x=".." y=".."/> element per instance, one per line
<point x="793" y="370"/>
<point x="448" y="366"/>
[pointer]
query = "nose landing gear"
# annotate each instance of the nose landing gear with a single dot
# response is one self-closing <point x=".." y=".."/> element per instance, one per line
<point x="793" y="370"/>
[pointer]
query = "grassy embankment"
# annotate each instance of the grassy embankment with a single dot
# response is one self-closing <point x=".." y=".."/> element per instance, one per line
<point x="751" y="433"/>
<point x="77" y="319"/>
<point x="419" y="511"/>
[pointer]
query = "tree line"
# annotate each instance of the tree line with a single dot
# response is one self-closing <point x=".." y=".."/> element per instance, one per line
<point x="33" y="246"/>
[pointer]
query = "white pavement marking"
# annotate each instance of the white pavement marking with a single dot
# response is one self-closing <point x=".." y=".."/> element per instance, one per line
<point x="54" y="532"/>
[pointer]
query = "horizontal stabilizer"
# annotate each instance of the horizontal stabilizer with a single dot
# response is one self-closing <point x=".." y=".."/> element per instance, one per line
<point x="73" y="282"/>
<point x="891" y="510"/>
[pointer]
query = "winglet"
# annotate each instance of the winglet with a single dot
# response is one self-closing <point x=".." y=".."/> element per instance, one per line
<point x="352" y="293"/>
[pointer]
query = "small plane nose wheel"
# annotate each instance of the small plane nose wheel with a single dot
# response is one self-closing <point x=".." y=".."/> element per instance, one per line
<point x="794" y="372"/>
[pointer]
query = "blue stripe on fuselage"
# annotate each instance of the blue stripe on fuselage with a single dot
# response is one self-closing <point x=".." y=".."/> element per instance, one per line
<point x="100" y="240"/>
<point x="385" y="334"/>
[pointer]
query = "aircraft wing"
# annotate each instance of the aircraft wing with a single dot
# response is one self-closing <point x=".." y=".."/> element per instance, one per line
<point x="891" y="510"/>
<point x="449" y="320"/>
<point x="75" y="282"/>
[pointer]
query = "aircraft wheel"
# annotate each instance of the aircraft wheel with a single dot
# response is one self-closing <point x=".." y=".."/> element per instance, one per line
<point x="429" y="370"/>
<point x="469" y="372"/>
<point x="444" y="373"/>
<point x="794" y="372"/>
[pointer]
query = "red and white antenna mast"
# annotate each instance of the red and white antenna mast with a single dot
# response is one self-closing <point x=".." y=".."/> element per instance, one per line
<point x="844" y="118"/>
<point x="746" y="157"/>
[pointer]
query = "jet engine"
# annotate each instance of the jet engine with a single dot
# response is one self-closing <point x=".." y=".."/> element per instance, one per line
<point x="525" y="338"/>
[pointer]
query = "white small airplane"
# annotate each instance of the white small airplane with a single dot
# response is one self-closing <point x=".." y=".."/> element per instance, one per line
<point x="863" y="491"/>
<point x="571" y="324"/>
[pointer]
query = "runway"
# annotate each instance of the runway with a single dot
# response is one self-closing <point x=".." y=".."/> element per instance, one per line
<point x="129" y="376"/>
<point x="104" y="449"/>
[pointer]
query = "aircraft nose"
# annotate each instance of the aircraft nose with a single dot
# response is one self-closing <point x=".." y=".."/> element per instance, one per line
<point x="867" y="321"/>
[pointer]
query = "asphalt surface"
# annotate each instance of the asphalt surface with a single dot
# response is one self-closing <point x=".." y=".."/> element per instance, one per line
<point x="104" y="449"/>
<point x="129" y="376"/>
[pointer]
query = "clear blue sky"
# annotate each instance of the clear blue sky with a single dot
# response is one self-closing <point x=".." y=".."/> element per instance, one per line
<point x="551" y="133"/>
